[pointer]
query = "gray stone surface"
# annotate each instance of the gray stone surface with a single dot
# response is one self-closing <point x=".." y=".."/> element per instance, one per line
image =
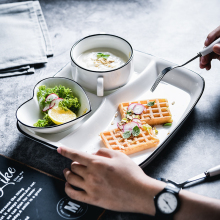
<point x="173" y="30"/>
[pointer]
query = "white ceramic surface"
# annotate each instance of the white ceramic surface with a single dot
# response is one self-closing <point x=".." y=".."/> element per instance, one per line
<point x="181" y="86"/>
<point x="107" y="80"/>
<point x="29" y="112"/>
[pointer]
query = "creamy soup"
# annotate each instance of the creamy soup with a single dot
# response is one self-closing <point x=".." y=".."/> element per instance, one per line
<point x="102" y="59"/>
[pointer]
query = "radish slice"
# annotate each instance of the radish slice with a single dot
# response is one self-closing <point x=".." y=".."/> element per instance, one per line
<point x="131" y="106"/>
<point x="51" y="97"/>
<point x="129" y="126"/>
<point x="138" y="121"/>
<point x="55" y="102"/>
<point x="52" y="105"/>
<point x="138" y="109"/>
<point x="47" y="107"/>
<point x="120" y="126"/>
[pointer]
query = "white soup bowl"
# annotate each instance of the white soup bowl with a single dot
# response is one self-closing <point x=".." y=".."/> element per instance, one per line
<point x="100" y="81"/>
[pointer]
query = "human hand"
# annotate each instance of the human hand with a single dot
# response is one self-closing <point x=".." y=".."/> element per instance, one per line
<point x="110" y="180"/>
<point x="205" y="62"/>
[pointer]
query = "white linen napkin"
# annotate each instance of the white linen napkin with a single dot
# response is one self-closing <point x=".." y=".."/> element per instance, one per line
<point x="24" y="38"/>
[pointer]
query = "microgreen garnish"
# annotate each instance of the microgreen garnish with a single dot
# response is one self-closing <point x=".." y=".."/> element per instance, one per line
<point x="150" y="103"/>
<point x="105" y="56"/>
<point x="136" y="131"/>
<point x="129" y="112"/>
<point x="167" y="124"/>
<point x="126" y="134"/>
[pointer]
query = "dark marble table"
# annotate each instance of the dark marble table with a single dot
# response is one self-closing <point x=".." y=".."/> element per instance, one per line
<point x="173" y="30"/>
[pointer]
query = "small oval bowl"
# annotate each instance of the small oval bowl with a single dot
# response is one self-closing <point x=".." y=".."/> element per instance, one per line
<point x="29" y="112"/>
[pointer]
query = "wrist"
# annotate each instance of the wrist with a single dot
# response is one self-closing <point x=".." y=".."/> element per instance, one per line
<point x="150" y="188"/>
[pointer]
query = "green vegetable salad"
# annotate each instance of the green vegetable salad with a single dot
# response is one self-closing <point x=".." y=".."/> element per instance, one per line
<point x="69" y="102"/>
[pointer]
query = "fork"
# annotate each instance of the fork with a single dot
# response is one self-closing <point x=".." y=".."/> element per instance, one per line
<point x="209" y="173"/>
<point x="203" y="52"/>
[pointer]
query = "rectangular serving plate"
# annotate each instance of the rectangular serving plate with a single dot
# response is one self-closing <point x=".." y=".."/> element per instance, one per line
<point x="182" y="87"/>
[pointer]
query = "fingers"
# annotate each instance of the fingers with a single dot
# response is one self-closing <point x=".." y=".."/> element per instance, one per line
<point x="212" y="36"/>
<point x="216" y="49"/>
<point x="205" y="62"/>
<point x="73" y="179"/>
<point x="75" y="194"/>
<point x="206" y="59"/>
<point x="78" y="169"/>
<point x="207" y="66"/>
<point x="75" y="155"/>
<point x="104" y="152"/>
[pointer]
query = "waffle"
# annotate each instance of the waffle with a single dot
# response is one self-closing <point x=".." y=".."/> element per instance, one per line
<point x="159" y="113"/>
<point x="114" y="140"/>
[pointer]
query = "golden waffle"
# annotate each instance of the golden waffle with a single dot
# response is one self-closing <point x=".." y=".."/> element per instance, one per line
<point x="114" y="140"/>
<point x="159" y="113"/>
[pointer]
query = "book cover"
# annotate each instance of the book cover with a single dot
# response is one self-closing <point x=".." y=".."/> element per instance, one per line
<point x="26" y="193"/>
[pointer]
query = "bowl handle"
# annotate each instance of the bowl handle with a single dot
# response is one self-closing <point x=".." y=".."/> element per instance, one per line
<point x="100" y="86"/>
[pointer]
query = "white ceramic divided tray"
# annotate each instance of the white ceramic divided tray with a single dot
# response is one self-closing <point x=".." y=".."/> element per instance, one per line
<point x="182" y="87"/>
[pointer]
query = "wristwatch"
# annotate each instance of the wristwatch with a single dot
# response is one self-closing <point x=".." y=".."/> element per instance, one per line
<point x="167" y="202"/>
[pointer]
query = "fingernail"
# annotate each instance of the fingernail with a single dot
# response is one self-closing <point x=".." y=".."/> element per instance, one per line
<point x="59" y="150"/>
<point x="66" y="183"/>
<point x="202" y="60"/>
<point x="206" y="41"/>
<point x="208" y="68"/>
<point x="64" y="171"/>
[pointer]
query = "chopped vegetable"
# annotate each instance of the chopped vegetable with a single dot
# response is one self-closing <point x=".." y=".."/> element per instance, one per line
<point x="129" y="112"/>
<point x="138" y="109"/>
<point x="120" y="125"/>
<point x="155" y="130"/>
<point x="126" y="134"/>
<point x="55" y="103"/>
<point x="131" y="106"/>
<point x="150" y="103"/>
<point x="167" y="124"/>
<point x="147" y="127"/>
<point x="45" y="122"/>
<point x="46" y="108"/>
<point x="105" y="56"/>
<point x="136" y="116"/>
<point x="51" y="97"/>
<point x="129" y="126"/>
<point x="136" y="131"/>
<point x="138" y="121"/>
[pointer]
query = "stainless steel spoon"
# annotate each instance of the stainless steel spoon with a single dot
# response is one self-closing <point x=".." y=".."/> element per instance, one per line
<point x="209" y="173"/>
<point x="204" y="52"/>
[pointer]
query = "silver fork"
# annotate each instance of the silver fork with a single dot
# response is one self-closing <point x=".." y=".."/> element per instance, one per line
<point x="209" y="173"/>
<point x="204" y="52"/>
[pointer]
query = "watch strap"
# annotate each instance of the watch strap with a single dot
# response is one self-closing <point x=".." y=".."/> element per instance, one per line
<point x="160" y="216"/>
<point x="173" y="188"/>
<point x="171" y="183"/>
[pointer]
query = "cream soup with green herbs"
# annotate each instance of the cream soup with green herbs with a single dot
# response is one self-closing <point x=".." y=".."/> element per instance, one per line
<point x="102" y="59"/>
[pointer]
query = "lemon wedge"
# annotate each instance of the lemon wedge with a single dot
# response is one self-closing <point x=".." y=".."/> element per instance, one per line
<point x="60" y="116"/>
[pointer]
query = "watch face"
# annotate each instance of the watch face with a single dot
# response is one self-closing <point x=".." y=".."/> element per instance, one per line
<point x="167" y="202"/>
